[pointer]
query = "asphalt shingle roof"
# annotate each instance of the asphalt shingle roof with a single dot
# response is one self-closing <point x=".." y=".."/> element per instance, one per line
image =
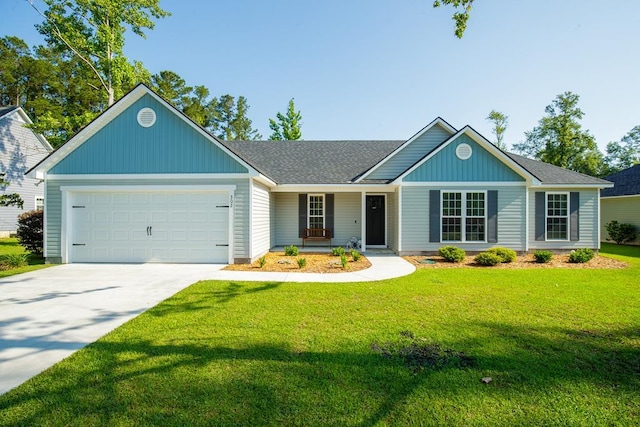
<point x="550" y="174"/>
<point x="6" y="110"/>
<point x="312" y="162"/>
<point x="626" y="183"/>
<point x="341" y="162"/>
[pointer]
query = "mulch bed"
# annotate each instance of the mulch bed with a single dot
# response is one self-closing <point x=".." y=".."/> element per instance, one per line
<point x="316" y="263"/>
<point x="523" y="261"/>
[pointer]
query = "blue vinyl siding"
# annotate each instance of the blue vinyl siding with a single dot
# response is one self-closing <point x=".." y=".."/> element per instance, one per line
<point x="445" y="166"/>
<point x="169" y="146"/>
<point x="409" y="155"/>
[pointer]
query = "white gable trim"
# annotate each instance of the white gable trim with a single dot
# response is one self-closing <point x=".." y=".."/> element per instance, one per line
<point x="437" y="121"/>
<point x="482" y="141"/>
<point x="26" y="119"/>
<point x="111" y="113"/>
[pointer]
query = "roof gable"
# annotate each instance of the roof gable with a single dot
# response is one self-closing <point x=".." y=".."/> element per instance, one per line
<point x="445" y="165"/>
<point x="410" y="151"/>
<point x="488" y="151"/>
<point x="115" y="143"/>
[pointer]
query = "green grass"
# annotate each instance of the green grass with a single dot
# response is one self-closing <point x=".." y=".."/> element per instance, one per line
<point x="10" y="246"/>
<point x="561" y="345"/>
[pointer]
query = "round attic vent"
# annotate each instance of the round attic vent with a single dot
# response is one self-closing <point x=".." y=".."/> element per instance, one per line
<point x="463" y="151"/>
<point x="146" y="117"/>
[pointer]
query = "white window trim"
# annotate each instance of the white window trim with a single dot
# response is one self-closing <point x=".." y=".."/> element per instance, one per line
<point x="464" y="217"/>
<point x="324" y="209"/>
<point x="567" y="216"/>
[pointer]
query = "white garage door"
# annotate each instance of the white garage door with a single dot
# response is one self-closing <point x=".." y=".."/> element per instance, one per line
<point x="181" y="227"/>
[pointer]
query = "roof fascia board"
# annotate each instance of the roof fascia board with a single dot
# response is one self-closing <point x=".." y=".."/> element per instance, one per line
<point x="626" y="196"/>
<point x="556" y="186"/>
<point x="436" y="121"/>
<point x="333" y="188"/>
<point x="482" y="141"/>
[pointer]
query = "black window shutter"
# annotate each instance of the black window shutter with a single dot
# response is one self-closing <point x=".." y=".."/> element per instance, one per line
<point x="574" y="206"/>
<point x="540" y="215"/>
<point x="328" y="213"/>
<point x="492" y="216"/>
<point x="302" y="214"/>
<point x="434" y="216"/>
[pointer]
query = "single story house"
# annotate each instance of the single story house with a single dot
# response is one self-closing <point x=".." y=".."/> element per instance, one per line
<point x="143" y="183"/>
<point x="622" y="202"/>
<point x="20" y="149"/>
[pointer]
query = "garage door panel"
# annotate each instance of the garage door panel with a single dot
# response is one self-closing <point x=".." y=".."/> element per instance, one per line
<point x="150" y="227"/>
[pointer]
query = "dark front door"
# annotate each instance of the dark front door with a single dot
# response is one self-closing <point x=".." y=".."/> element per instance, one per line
<point x="375" y="221"/>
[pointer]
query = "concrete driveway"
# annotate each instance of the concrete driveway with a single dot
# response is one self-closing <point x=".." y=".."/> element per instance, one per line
<point x="48" y="314"/>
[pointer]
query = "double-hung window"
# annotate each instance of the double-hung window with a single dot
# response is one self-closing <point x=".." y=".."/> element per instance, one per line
<point x="464" y="216"/>
<point x="316" y="211"/>
<point x="39" y="203"/>
<point x="557" y="216"/>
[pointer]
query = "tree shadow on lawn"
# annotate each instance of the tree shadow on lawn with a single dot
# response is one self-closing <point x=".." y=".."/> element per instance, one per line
<point x="194" y="383"/>
<point x="192" y="300"/>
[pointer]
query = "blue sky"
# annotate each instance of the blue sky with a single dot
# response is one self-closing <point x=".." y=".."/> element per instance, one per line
<point x="383" y="69"/>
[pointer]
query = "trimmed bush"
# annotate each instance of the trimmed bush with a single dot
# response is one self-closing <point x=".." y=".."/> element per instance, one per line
<point x="355" y="255"/>
<point x="291" y="250"/>
<point x="621" y="233"/>
<point x="506" y="255"/>
<point x="487" y="258"/>
<point x="542" y="256"/>
<point x="452" y="253"/>
<point x="11" y="261"/>
<point x="302" y="262"/>
<point x="30" y="231"/>
<point x="338" y="251"/>
<point x="581" y="255"/>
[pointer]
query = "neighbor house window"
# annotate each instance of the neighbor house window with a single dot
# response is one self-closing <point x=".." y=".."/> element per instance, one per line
<point x="463" y="217"/>
<point x="316" y="210"/>
<point x="557" y="216"/>
<point x="39" y="203"/>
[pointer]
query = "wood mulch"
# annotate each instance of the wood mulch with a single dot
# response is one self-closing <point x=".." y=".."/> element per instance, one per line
<point x="523" y="261"/>
<point x="316" y="263"/>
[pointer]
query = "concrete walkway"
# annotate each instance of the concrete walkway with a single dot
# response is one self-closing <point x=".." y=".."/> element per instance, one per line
<point x="48" y="314"/>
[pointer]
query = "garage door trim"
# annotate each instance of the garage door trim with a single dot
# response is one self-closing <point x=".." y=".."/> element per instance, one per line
<point x="67" y="216"/>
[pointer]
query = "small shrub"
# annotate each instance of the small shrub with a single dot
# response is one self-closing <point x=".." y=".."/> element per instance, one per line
<point x="291" y="250"/>
<point x="488" y="259"/>
<point x="452" y="253"/>
<point x="11" y="261"/>
<point x="262" y="261"/>
<point x="355" y="255"/>
<point x="344" y="261"/>
<point x="581" y="255"/>
<point x="302" y="262"/>
<point x="621" y="233"/>
<point x="30" y="231"/>
<point x="506" y="255"/>
<point x="338" y="251"/>
<point x="542" y="256"/>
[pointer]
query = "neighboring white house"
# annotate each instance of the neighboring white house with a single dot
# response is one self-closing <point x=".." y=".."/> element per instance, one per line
<point x="20" y="149"/>
<point x="622" y="202"/>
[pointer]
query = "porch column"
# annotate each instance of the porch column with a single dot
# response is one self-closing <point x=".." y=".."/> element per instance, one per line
<point x="363" y="221"/>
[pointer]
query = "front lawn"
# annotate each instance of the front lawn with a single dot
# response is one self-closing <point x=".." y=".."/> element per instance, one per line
<point x="562" y="347"/>
<point x="10" y="246"/>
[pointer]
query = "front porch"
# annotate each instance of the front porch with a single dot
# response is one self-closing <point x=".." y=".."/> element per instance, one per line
<point x="367" y="217"/>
